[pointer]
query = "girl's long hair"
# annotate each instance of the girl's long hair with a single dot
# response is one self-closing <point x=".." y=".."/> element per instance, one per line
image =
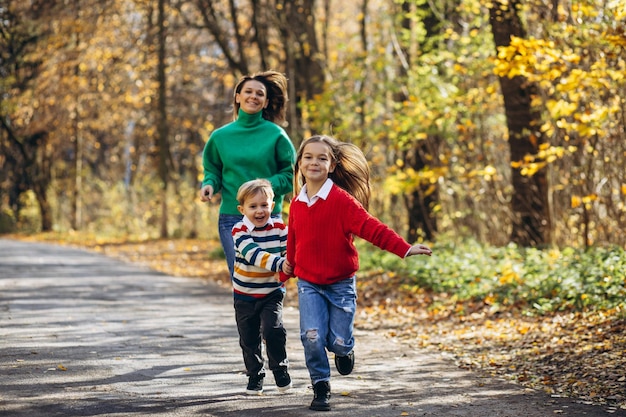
<point x="352" y="172"/>
<point x="276" y="85"/>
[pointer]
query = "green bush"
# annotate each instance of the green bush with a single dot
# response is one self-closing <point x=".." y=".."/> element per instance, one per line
<point x="7" y="221"/>
<point x="533" y="280"/>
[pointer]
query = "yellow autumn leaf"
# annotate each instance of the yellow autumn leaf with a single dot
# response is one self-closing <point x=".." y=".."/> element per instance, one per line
<point x="590" y="198"/>
<point x="561" y="108"/>
<point x="61" y="367"/>
<point x="490" y="299"/>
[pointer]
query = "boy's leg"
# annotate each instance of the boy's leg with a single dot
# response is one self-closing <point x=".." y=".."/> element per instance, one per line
<point x="314" y="326"/>
<point x="249" y="327"/>
<point x="275" y="337"/>
<point x="274" y="331"/>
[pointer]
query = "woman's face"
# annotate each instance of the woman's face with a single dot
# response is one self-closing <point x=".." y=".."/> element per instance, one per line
<point x="253" y="97"/>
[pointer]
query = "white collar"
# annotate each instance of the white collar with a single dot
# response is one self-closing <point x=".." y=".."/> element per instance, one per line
<point x="322" y="193"/>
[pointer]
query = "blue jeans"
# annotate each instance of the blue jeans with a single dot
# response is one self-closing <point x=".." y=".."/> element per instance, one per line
<point x="225" y="225"/>
<point x="326" y="323"/>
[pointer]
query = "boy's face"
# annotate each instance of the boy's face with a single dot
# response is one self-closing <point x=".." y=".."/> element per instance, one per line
<point x="257" y="208"/>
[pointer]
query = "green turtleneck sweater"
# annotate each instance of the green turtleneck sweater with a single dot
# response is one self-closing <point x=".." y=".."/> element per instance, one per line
<point x="246" y="149"/>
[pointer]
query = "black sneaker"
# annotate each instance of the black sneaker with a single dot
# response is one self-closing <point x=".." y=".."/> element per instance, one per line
<point x="283" y="380"/>
<point x="321" y="396"/>
<point x="255" y="385"/>
<point x="345" y="364"/>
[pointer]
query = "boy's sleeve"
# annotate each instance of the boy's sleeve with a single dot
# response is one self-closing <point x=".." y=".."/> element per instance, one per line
<point x="253" y="253"/>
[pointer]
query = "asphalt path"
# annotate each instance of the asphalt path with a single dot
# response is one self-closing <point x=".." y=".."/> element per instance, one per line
<point x="85" y="335"/>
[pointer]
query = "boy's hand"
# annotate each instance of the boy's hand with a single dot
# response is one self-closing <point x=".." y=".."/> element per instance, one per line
<point x="420" y="249"/>
<point x="287" y="271"/>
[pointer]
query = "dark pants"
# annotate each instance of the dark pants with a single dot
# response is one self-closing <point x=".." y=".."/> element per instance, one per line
<point x="262" y="320"/>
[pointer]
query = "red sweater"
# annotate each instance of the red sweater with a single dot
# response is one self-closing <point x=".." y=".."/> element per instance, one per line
<point x="320" y="242"/>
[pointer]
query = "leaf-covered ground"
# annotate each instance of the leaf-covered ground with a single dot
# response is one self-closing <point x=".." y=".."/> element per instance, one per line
<point x="568" y="354"/>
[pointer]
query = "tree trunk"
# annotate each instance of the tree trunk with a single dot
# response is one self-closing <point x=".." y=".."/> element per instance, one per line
<point x="297" y="26"/>
<point x="37" y="163"/>
<point x="163" y="127"/>
<point x="40" y="190"/>
<point x="419" y="203"/>
<point x="78" y="145"/>
<point x="529" y="204"/>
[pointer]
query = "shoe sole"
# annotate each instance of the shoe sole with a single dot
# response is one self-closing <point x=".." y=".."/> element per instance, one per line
<point x="319" y="408"/>
<point x="285" y="388"/>
<point x="254" y="392"/>
<point x="341" y="370"/>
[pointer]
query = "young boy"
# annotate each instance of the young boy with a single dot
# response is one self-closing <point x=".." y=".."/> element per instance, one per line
<point x="260" y="244"/>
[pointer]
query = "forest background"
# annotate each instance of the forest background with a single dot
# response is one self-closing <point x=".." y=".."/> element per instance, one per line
<point x="495" y="132"/>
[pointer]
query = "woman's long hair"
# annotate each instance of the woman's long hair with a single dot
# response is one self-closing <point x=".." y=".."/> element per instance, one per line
<point x="276" y="85"/>
<point x="352" y="172"/>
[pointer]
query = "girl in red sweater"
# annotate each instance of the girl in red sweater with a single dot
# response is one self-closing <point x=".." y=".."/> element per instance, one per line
<point x="333" y="189"/>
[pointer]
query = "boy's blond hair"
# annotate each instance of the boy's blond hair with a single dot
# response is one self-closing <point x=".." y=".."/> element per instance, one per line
<point x="252" y="188"/>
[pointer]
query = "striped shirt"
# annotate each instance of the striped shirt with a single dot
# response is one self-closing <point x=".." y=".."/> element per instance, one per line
<point x="259" y="255"/>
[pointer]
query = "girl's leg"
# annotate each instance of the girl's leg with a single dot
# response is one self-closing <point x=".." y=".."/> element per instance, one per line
<point x="249" y="327"/>
<point x="342" y="309"/>
<point x="274" y="332"/>
<point x="225" y="227"/>
<point x="314" y="329"/>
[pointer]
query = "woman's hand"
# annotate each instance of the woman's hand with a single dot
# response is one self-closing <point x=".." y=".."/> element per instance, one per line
<point x="206" y="193"/>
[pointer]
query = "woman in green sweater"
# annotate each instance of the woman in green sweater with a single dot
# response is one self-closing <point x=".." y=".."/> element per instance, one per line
<point x="253" y="146"/>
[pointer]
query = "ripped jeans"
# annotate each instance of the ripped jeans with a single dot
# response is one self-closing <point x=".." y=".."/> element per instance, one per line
<point x="326" y="323"/>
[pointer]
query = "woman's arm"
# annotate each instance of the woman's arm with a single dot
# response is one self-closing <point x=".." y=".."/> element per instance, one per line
<point x="282" y="180"/>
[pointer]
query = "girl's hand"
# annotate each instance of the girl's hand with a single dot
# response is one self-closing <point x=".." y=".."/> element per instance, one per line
<point x="287" y="268"/>
<point x="420" y="249"/>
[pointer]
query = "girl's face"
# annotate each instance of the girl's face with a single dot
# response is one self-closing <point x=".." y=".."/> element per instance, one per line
<point x="253" y="97"/>
<point x="257" y="208"/>
<point x="316" y="162"/>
